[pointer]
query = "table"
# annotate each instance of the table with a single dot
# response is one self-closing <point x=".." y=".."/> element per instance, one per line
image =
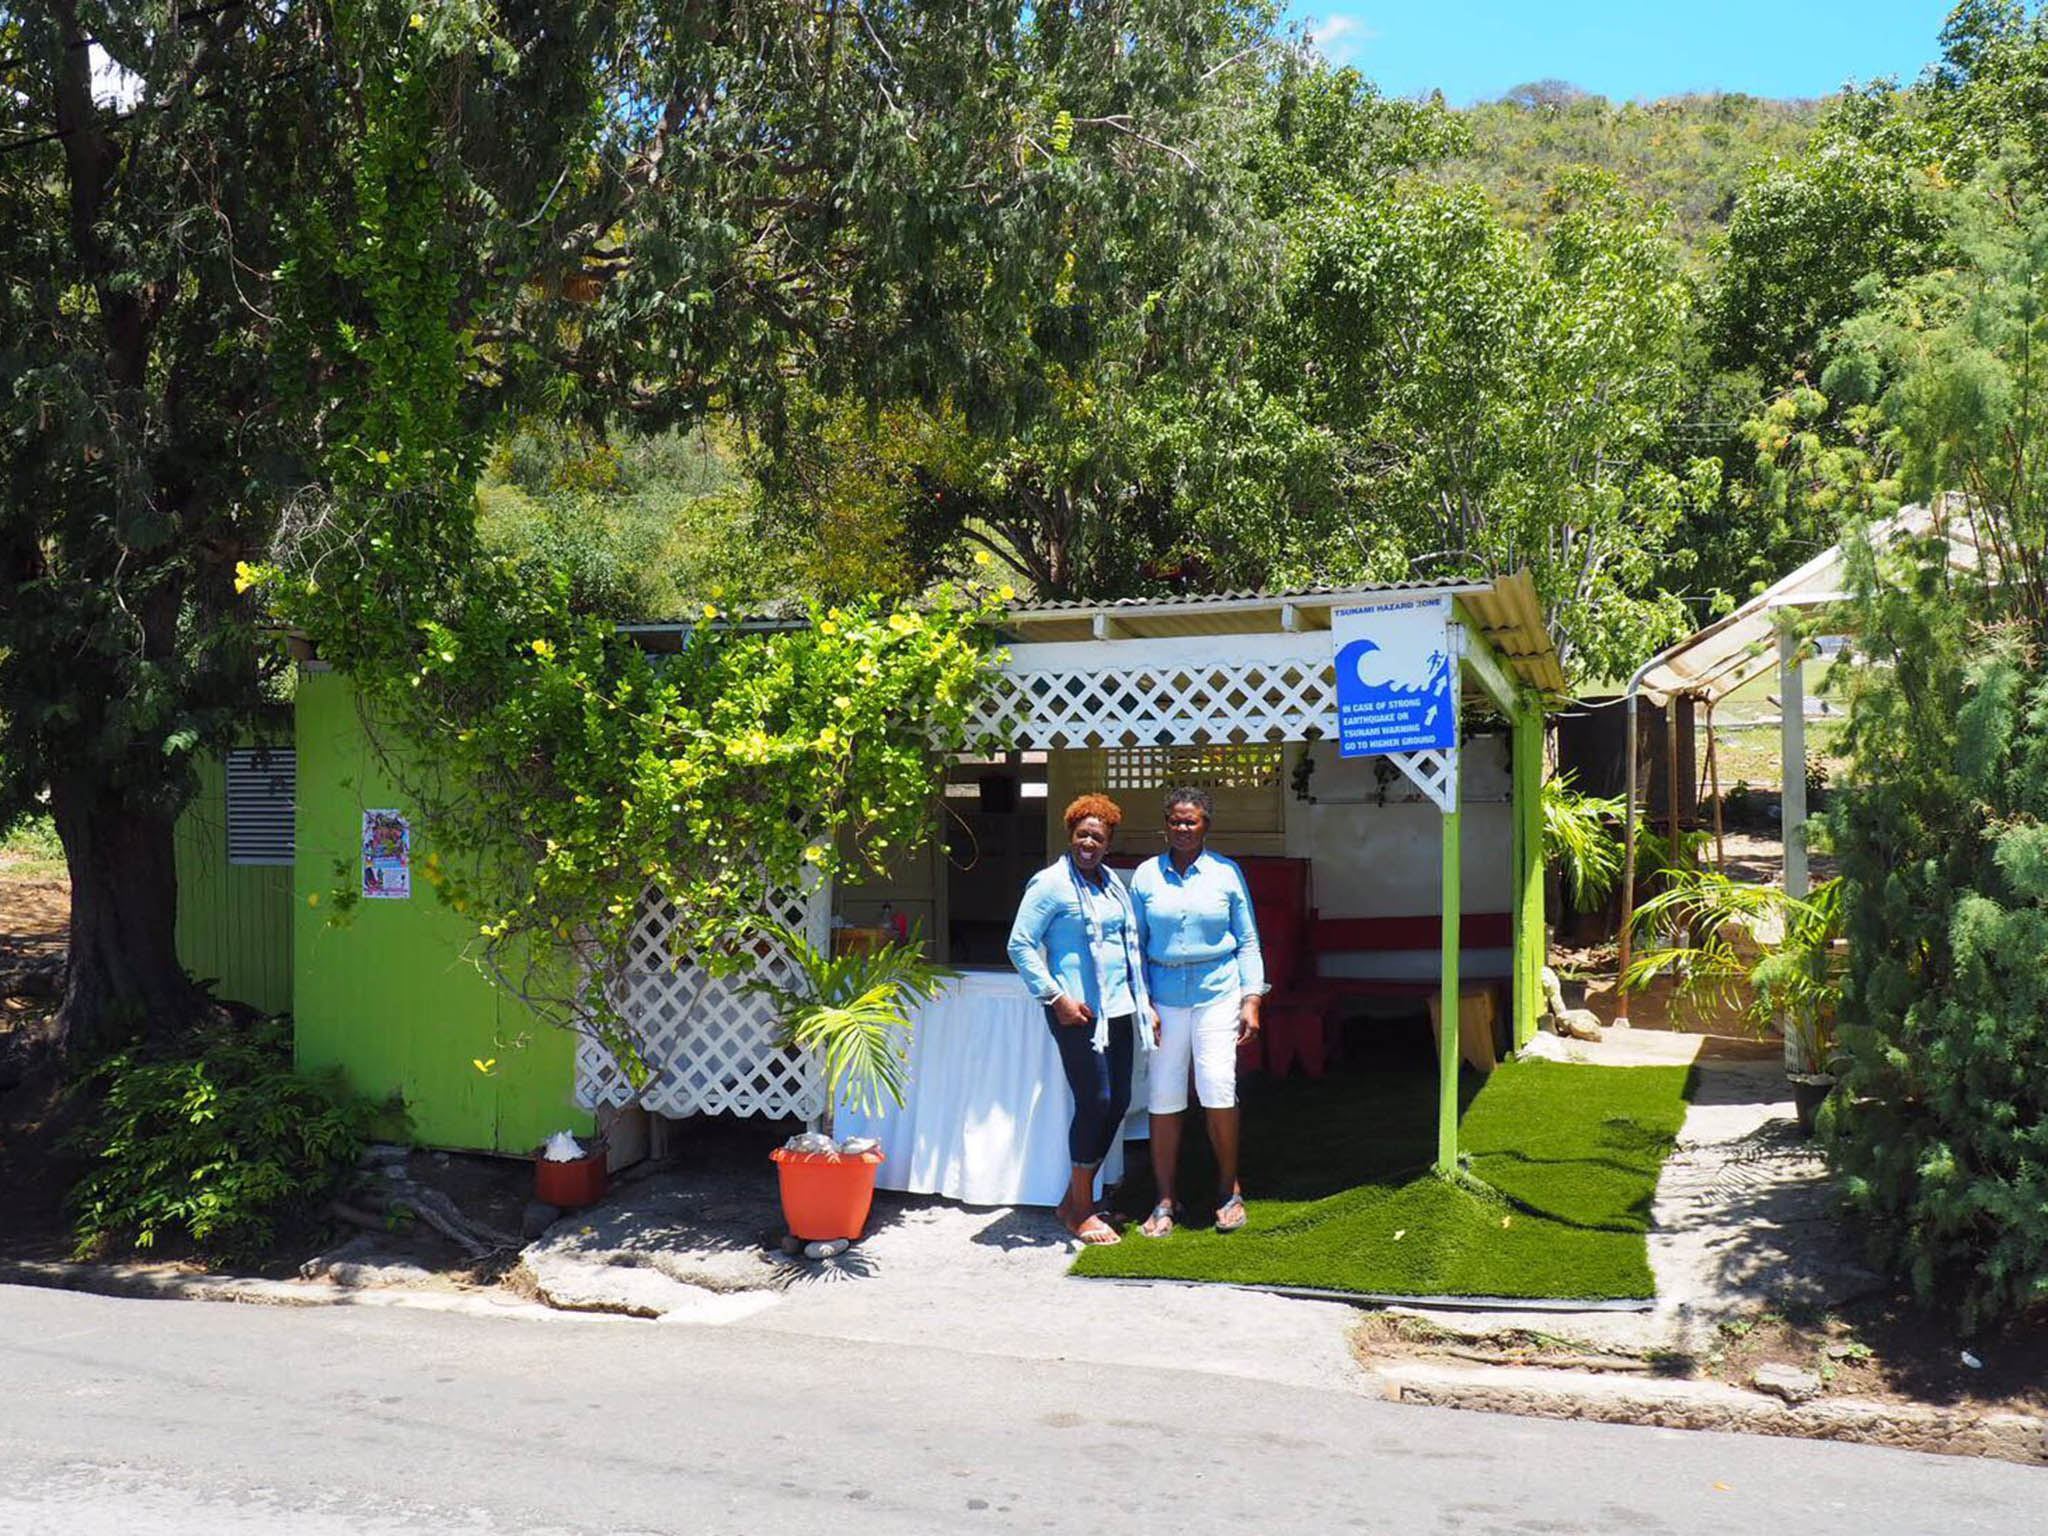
<point x="985" y="1113"/>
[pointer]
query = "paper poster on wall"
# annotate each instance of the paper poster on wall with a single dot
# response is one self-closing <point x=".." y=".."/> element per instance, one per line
<point x="387" y="856"/>
<point x="1396" y="677"/>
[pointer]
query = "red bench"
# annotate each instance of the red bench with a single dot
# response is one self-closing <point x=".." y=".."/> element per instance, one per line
<point x="1300" y="1016"/>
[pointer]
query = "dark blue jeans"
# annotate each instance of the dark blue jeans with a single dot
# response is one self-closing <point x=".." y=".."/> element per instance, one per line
<point x="1101" y="1082"/>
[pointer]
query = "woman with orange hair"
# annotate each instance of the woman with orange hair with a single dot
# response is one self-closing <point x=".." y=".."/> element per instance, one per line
<point x="1075" y="943"/>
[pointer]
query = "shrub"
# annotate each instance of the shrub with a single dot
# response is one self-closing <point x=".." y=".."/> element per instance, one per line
<point x="1942" y="1125"/>
<point x="1577" y="843"/>
<point x="215" y="1139"/>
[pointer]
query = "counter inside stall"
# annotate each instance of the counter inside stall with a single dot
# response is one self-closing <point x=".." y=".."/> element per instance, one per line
<point x="986" y="1108"/>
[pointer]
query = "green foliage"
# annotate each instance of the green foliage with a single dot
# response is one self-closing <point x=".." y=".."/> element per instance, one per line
<point x="1809" y="234"/>
<point x="281" y="303"/>
<point x="1577" y="842"/>
<point x="32" y="851"/>
<point x="1941" y="1130"/>
<point x="1176" y="456"/>
<point x="851" y="1011"/>
<point x="1495" y="407"/>
<point x="643" y="526"/>
<point x="1775" y="957"/>
<point x="214" y="1140"/>
<point x="873" y="207"/>
<point x="1691" y="154"/>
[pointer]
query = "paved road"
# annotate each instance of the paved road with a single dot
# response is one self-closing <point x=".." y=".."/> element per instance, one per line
<point x="142" y="1417"/>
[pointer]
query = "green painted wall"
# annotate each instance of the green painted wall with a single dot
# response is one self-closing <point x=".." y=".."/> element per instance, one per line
<point x="388" y="995"/>
<point x="234" y="920"/>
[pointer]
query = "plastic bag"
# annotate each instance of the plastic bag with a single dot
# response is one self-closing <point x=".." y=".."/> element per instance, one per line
<point x="562" y="1148"/>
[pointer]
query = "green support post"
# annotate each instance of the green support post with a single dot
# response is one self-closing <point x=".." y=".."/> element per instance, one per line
<point x="1529" y="924"/>
<point x="1447" y="1042"/>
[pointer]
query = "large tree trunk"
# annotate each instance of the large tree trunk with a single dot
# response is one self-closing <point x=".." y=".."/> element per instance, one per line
<point x="123" y="977"/>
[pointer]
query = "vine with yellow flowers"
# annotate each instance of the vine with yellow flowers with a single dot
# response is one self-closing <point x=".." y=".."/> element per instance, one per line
<point x="558" y="771"/>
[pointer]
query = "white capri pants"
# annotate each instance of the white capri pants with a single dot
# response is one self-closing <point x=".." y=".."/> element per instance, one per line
<point x="1205" y="1036"/>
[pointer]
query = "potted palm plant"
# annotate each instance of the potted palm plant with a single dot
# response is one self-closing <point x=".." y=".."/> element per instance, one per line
<point x="1777" y="957"/>
<point x="851" y="1013"/>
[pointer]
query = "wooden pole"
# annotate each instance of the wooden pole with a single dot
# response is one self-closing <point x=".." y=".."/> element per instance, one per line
<point x="1632" y="753"/>
<point x="1714" y="779"/>
<point x="1671" y="780"/>
<point x="1792" y="756"/>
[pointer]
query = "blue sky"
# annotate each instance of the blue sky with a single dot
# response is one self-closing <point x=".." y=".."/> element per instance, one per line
<point x="1475" y="49"/>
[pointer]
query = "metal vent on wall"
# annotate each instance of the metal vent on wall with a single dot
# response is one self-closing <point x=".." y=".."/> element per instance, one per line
<point x="262" y="785"/>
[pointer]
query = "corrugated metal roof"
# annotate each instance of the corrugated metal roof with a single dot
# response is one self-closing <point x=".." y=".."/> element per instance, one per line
<point x="1505" y="611"/>
<point x="1511" y="618"/>
<point x="1718" y="659"/>
<point x="1024" y="609"/>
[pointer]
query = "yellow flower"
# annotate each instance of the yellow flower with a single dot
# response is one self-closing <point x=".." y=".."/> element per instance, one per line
<point x="827" y="627"/>
<point x="1006" y="592"/>
<point x="710" y="611"/>
<point x="982" y="557"/>
<point x="245" y="576"/>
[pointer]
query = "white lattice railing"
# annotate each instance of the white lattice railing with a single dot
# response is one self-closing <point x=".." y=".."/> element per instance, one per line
<point x="1215" y="690"/>
<point x="710" y="1044"/>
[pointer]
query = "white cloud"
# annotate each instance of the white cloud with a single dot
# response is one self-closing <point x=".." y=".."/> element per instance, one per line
<point x="1341" y="37"/>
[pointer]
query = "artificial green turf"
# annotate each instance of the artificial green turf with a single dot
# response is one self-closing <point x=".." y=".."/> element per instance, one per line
<point x="1340" y="1197"/>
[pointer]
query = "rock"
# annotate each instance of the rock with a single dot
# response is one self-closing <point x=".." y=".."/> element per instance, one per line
<point x="1841" y="1351"/>
<point x="829" y="1248"/>
<point x="1544" y="1046"/>
<point x="1786" y="1381"/>
<point x="384" y="1154"/>
<point x="364" y="1262"/>
<point x="1579" y="1023"/>
<point x="1553" y="992"/>
<point x="537" y="1218"/>
<point x="792" y="1244"/>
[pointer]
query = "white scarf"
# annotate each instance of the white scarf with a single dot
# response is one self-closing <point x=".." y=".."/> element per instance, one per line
<point x="1133" y="963"/>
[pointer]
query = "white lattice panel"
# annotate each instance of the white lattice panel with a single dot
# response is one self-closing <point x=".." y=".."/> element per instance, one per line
<point x="1434" y="773"/>
<point x="710" y="1044"/>
<point x="1149" y="694"/>
<point x="1184" y="704"/>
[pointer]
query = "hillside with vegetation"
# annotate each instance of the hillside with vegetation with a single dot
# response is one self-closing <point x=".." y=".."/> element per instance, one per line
<point x="1691" y="153"/>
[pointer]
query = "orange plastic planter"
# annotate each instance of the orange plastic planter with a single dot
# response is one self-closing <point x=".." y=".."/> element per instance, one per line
<point x="580" y="1181"/>
<point x="825" y="1195"/>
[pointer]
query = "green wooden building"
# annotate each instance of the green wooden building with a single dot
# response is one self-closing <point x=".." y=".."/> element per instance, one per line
<point x="1239" y="692"/>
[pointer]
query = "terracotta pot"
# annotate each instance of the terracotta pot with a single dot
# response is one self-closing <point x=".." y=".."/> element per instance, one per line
<point x="579" y="1181"/>
<point x="825" y="1195"/>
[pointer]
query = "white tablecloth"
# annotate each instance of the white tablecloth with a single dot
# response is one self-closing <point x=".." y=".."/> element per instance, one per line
<point x="985" y="1114"/>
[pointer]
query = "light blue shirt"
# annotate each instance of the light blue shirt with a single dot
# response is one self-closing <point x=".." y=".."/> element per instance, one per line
<point x="1051" y="947"/>
<point x="1200" y="940"/>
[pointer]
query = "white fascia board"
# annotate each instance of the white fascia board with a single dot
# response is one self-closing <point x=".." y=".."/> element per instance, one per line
<point x="1136" y="653"/>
